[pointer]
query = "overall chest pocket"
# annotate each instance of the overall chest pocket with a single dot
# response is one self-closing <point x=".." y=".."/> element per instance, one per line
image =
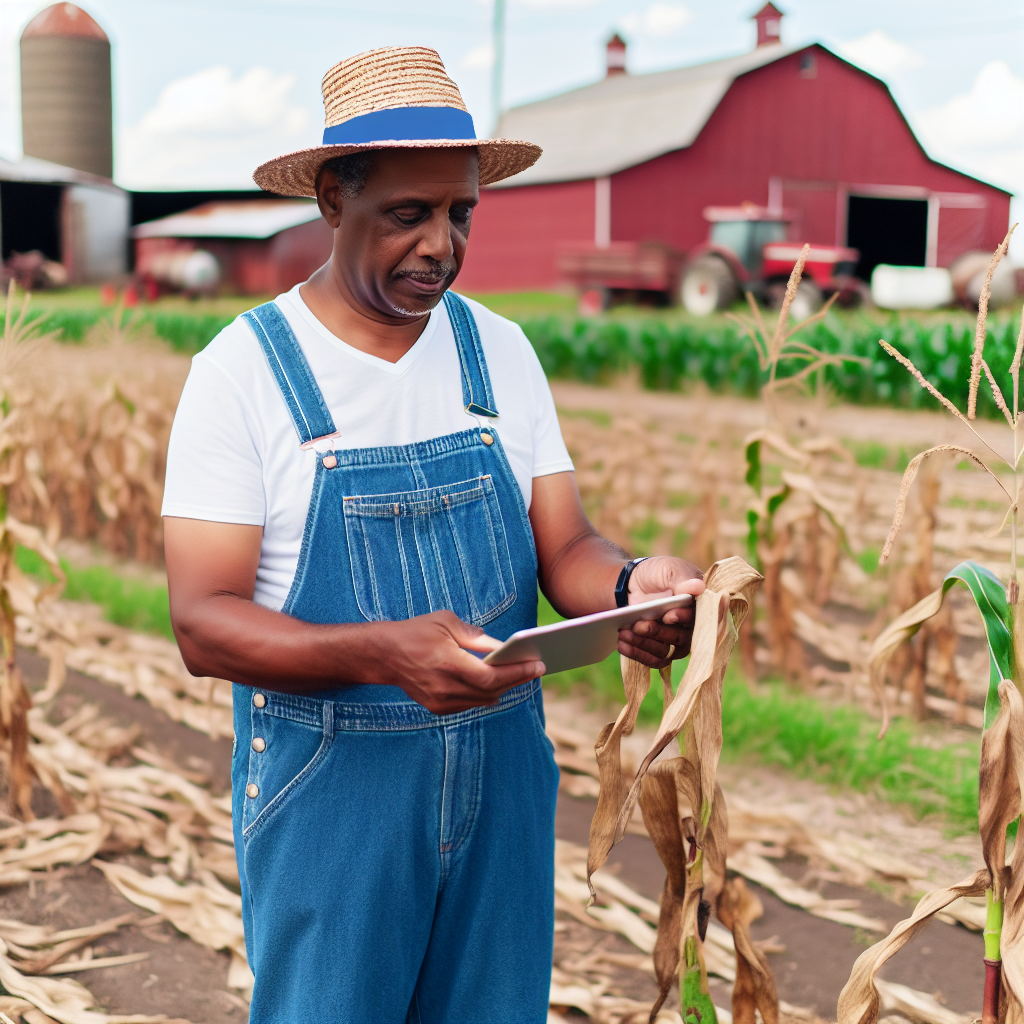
<point x="415" y="552"/>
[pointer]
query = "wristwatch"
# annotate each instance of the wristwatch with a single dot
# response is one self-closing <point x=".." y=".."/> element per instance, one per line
<point x="622" y="583"/>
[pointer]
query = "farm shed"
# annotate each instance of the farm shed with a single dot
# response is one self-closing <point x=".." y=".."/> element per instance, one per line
<point x="637" y="158"/>
<point x="72" y="217"/>
<point x="263" y="246"/>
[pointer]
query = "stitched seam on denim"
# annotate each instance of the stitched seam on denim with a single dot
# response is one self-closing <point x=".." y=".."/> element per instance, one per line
<point x="440" y="574"/>
<point x="400" y="541"/>
<point x="373" y="614"/>
<point x="277" y="369"/>
<point x="452" y="304"/>
<point x="289" y="791"/>
<point x="444" y="793"/>
<point x="418" y="451"/>
<point x="481" y="363"/>
<point x="457" y="842"/>
<point x="382" y="508"/>
<point x="474" y="612"/>
<point x="305" y="380"/>
<point x="308" y="710"/>
<point x="463" y="322"/>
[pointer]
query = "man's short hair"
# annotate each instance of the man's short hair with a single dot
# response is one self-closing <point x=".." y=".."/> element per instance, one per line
<point x="351" y="170"/>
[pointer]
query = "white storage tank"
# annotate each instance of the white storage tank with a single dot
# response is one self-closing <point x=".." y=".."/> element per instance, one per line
<point x="911" y="287"/>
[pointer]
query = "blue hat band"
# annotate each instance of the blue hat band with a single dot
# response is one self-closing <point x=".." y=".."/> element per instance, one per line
<point x="402" y="124"/>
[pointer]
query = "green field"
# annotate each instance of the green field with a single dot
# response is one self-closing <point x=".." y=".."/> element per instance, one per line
<point x="667" y="348"/>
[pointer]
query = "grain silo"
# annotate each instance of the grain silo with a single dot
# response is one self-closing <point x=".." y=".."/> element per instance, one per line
<point x="65" y="90"/>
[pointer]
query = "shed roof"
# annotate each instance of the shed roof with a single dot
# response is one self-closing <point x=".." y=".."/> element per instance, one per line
<point x="625" y="120"/>
<point x="45" y="172"/>
<point x="249" y="218"/>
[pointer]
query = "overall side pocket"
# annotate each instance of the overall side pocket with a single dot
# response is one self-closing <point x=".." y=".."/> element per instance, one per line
<point x="287" y="750"/>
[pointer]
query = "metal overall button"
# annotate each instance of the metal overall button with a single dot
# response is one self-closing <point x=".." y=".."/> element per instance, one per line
<point x="259" y="700"/>
<point x="259" y="744"/>
<point x="329" y="461"/>
<point x="252" y="791"/>
<point x="486" y="438"/>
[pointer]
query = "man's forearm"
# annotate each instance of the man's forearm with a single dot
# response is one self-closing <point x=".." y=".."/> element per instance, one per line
<point x="581" y="578"/>
<point x="232" y="638"/>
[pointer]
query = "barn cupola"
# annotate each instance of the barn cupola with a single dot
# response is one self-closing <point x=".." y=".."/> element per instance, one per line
<point x="769" y="25"/>
<point x="615" y="56"/>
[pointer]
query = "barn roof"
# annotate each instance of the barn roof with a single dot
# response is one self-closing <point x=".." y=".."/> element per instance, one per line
<point x="252" y="218"/>
<point x="625" y="120"/>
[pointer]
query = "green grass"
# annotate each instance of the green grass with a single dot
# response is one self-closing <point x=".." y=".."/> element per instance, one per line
<point x="124" y="600"/>
<point x="834" y="745"/>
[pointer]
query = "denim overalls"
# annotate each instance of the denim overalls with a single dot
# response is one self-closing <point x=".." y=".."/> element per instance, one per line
<point x="398" y="865"/>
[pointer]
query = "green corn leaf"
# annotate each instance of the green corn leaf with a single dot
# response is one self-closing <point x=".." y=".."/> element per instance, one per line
<point x="752" y="537"/>
<point x="753" y="476"/>
<point x="777" y="499"/>
<point x="990" y="596"/>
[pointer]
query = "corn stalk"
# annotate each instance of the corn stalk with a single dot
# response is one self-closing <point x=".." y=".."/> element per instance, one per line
<point x="683" y="807"/>
<point x="1001" y="775"/>
<point x="768" y="537"/>
<point x="19" y="340"/>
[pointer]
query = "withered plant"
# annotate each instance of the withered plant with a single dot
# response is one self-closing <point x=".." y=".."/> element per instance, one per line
<point x="793" y="522"/>
<point x="1001" y="777"/>
<point x="684" y="810"/>
<point x="21" y="338"/>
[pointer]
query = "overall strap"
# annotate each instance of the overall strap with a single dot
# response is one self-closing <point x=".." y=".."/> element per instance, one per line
<point x="476" y="384"/>
<point x="291" y="371"/>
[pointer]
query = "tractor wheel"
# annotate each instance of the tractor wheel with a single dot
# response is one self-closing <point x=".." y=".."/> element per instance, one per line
<point x="708" y="285"/>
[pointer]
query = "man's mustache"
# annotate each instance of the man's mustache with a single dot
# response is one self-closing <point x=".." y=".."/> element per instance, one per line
<point x="439" y="270"/>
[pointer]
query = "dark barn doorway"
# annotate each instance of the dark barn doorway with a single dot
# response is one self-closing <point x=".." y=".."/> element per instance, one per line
<point x="887" y="231"/>
<point x="30" y="218"/>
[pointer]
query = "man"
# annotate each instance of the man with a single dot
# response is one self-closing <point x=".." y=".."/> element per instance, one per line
<point x="350" y="525"/>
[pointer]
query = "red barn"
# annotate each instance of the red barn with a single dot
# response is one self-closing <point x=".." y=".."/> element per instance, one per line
<point x="636" y="158"/>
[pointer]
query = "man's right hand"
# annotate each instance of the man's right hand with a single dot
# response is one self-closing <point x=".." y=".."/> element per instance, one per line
<point x="428" y="657"/>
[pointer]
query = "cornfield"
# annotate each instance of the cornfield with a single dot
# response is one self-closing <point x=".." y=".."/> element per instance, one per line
<point x="688" y="475"/>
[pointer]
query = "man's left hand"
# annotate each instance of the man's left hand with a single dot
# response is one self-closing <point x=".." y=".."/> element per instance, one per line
<point x="655" y="643"/>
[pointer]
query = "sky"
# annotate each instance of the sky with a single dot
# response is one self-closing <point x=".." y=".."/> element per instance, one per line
<point x="205" y="90"/>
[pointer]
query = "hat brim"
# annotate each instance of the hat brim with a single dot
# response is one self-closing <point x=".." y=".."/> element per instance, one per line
<point x="294" y="174"/>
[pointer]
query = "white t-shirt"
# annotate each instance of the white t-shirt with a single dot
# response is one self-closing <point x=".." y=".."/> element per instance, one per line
<point x="234" y="455"/>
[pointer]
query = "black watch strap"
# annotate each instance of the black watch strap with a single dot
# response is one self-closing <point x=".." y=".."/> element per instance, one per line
<point x="622" y="583"/>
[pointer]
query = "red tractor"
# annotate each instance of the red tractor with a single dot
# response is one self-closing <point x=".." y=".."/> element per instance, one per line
<point x="747" y="250"/>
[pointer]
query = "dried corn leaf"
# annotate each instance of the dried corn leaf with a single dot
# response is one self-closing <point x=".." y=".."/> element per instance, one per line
<point x="860" y="1001"/>
<point x="754" y="989"/>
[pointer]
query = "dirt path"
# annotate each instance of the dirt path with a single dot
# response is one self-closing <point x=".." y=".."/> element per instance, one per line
<point x="181" y="978"/>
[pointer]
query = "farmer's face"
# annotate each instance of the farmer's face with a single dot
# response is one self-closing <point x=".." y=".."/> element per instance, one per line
<point x="399" y="244"/>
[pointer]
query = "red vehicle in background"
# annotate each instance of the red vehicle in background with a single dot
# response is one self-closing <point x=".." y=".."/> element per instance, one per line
<point x="747" y="250"/>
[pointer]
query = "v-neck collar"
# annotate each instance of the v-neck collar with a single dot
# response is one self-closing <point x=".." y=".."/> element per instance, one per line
<point x="397" y="369"/>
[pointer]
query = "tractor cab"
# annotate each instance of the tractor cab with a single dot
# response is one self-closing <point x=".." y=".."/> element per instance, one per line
<point x="742" y="232"/>
<point x="747" y="249"/>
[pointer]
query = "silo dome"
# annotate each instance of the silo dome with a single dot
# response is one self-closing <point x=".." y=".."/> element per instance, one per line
<point x="65" y="90"/>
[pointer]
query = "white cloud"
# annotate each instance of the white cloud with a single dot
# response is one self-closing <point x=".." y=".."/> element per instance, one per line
<point x="658" y="20"/>
<point x="989" y="117"/>
<point x="478" y="59"/>
<point x="982" y="132"/>
<point x="212" y="130"/>
<point x="880" y="54"/>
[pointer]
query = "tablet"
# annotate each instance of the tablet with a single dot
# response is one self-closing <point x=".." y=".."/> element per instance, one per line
<point x="583" y="641"/>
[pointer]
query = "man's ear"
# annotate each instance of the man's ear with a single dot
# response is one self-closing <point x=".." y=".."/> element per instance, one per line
<point x="328" y="196"/>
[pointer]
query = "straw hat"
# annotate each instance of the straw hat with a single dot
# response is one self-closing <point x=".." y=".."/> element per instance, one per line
<point x="397" y="97"/>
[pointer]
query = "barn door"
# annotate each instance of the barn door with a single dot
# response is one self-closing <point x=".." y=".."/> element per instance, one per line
<point x="887" y="231"/>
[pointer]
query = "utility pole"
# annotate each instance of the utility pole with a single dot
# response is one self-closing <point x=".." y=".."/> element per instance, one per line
<point x="498" y="67"/>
